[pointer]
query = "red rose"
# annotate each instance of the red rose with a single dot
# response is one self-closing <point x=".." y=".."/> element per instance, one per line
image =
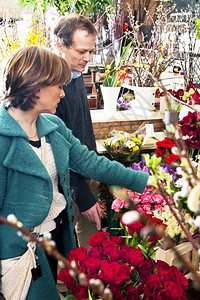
<point x="92" y="265"/>
<point x="117" y="239"/>
<point x="68" y="280"/>
<point x="97" y="238"/>
<point x="132" y="293"/>
<point x="163" y="271"/>
<point x="80" y="292"/>
<point x="176" y="276"/>
<point x="135" y="227"/>
<point x="116" y="292"/>
<point x="152" y="287"/>
<point x="175" y="289"/>
<point x="110" y="250"/>
<point x="95" y="251"/>
<point x="124" y="251"/>
<point x="78" y="254"/>
<point x="135" y="257"/>
<point x="114" y="273"/>
<point x="164" y="295"/>
<point x="146" y="269"/>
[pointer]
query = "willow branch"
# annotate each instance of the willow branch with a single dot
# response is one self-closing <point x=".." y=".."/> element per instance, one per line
<point x="50" y="247"/>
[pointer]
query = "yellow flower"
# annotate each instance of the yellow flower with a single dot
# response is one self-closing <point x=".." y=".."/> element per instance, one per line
<point x="136" y="148"/>
<point x="106" y="142"/>
<point x="116" y="144"/>
<point x="108" y="67"/>
<point x="136" y="140"/>
<point x="121" y="139"/>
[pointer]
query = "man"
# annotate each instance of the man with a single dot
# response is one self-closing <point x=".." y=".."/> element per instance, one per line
<point x="76" y="36"/>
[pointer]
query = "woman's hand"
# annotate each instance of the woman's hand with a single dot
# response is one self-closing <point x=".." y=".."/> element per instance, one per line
<point x="150" y="186"/>
<point x="94" y="214"/>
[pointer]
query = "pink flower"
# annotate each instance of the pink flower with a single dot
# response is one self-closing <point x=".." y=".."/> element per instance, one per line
<point x="136" y="199"/>
<point x="158" y="208"/>
<point x="118" y="204"/>
<point x="140" y="209"/>
<point x="157" y="198"/>
<point x="145" y="197"/>
<point x="146" y="207"/>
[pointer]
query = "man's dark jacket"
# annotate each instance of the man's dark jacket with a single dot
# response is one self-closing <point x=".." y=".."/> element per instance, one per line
<point x="74" y="110"/>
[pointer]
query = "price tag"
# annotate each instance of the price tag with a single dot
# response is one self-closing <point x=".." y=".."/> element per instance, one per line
<point x="150" y="130"/>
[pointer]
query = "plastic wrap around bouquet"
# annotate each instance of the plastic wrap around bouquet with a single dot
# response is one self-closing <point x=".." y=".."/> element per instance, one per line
<point x="123" y="146"/>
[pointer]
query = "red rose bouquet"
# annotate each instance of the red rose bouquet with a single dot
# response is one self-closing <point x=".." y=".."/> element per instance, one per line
<point x="124" y="270"/>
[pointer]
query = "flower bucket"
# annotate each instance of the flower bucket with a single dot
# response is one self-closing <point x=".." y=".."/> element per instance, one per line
<point x="185" y="249"/>
<point x="144" y="97"/>
<point x="110" y="95"/>
<point x="169" y="118"/>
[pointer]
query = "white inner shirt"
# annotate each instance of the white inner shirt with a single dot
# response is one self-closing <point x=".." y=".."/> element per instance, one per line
<point x="58" y="203"/>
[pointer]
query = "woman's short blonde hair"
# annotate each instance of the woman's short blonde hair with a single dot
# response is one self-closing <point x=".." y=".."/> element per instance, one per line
<point x="28" y="69"/>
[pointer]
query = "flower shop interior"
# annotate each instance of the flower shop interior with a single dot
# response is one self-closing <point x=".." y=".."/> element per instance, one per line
<point x="143" y="89"/>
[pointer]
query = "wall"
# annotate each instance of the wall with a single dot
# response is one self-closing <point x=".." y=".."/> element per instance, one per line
<point x="102" y="129"/>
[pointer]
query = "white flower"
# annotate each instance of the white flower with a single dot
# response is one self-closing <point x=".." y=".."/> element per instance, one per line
<point x="130" y="144"/>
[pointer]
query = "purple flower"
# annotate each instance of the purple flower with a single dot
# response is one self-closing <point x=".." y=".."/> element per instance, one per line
<point x="141" y="166"/>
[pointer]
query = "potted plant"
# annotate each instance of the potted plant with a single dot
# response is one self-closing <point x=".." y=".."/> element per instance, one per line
<point x="113" y="76"/>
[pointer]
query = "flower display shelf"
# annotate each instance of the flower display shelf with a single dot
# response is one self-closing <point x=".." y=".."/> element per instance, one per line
<point x="185" y="249"/>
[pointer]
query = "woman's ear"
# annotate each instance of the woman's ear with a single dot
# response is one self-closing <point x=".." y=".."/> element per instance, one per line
<point x="37" y="94"/>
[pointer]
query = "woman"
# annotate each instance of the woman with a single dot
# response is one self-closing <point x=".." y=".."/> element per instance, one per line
<point x="30" y="177"/>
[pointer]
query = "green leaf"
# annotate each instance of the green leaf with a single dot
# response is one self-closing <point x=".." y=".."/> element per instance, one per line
<point x="70" y="297"/>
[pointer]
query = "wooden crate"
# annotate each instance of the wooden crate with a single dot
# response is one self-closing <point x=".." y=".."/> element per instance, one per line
<point x="185" y="249"/>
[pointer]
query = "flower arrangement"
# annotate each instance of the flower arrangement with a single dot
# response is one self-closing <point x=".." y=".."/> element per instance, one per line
<point x="124" y="270"/>
<point x="155" y="204"/>
<point x="123" y="146"/>
<point x="117" y="71"/>
<point x="190" y="96"/>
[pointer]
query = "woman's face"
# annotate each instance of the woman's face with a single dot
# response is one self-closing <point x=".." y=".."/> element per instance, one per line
<point x="49" y="97"/>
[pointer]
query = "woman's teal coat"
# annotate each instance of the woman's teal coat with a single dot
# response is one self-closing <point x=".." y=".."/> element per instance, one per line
<point x="26" y="188"/>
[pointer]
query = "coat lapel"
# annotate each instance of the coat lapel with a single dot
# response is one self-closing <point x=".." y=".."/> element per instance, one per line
<point x="22" y="158"/>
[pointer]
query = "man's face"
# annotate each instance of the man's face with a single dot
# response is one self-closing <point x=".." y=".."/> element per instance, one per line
<point x="79" y="53"/>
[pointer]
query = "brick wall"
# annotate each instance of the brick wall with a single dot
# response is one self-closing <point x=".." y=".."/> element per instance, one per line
<point x="102" y="129"/>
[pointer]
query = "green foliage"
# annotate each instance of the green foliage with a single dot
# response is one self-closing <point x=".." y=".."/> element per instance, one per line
<point x="85" y="7"/>
<point x="198" y="28"/>
<point x="35" y="5"/>
<point x="70" y="297"/>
